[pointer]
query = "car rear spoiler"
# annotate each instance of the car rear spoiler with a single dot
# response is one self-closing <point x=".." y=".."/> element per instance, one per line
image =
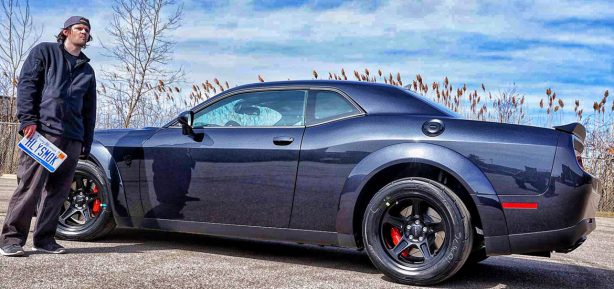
<point x="576" y="129"/>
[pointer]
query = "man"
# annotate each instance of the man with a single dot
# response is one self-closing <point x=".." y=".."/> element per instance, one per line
<point x="56" y="96"/>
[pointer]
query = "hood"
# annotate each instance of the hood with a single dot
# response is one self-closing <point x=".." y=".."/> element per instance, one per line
<point x="124" y="136"/>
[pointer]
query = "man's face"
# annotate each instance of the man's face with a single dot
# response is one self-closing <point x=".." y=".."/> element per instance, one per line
<point x="78" y="34"/>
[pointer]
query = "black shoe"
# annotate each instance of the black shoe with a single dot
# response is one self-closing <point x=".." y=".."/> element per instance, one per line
<point x="12" y="250"/>
<point x="52" y="248"/>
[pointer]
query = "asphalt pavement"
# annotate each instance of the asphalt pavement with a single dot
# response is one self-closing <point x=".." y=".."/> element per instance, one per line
<point x="138" y="259"/>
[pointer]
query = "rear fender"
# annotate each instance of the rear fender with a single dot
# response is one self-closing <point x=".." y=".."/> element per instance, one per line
<point x="470" y="176"/>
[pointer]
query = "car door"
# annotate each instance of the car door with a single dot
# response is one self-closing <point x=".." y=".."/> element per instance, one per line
<point x="241" y="169"/>
<point x="333" y="144"/>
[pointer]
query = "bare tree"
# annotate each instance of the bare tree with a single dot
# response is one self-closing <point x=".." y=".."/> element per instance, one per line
<point x="142" y="47"/>
<point x="17" y="37"/>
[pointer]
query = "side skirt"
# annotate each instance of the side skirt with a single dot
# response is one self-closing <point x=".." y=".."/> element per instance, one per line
<point x="234" y="231"/>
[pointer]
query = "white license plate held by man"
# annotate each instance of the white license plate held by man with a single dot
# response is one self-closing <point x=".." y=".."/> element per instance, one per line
<point x="43" y="151"/>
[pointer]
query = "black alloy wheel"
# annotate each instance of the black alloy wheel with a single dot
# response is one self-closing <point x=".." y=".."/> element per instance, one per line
<point x="417" y="231"/>
<point x="86" y="213"/>
<point x="413" y="232"/>
<point x="84" y="203"/>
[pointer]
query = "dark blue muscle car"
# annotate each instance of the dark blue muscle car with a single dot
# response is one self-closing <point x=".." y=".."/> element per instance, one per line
<point x="341" y="163"/>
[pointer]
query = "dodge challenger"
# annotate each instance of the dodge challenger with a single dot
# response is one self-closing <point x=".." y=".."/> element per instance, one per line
<point x="339" y="163"/>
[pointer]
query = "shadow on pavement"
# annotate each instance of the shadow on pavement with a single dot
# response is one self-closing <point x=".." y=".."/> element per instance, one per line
<point x="310" y="255"/>
<point x="510" y="271"/>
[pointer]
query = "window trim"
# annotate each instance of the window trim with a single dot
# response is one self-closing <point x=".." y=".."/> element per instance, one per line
<point x="307" y="88"/>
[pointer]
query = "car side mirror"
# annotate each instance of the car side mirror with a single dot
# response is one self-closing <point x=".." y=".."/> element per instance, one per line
<point x="186" y="119"/>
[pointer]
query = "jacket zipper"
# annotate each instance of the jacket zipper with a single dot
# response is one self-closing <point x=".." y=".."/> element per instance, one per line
<point x="70" y="74"/>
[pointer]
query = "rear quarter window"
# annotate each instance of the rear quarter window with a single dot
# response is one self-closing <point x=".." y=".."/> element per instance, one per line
<point x="325" y="106"/>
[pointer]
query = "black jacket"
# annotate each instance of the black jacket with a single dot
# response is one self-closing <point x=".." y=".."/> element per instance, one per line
<point x="58" y="99"/>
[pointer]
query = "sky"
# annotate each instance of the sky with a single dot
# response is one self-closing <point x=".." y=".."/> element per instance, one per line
<point x="564" y="45"/>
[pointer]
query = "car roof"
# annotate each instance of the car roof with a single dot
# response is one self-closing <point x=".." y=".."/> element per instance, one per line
<point x="374" y="98"/>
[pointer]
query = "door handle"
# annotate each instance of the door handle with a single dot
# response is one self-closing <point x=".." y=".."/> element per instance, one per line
<point x="283" y="140"/>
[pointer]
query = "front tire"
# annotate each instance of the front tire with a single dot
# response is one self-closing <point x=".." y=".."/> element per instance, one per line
<point x="86" y="213"/>
<point x="417" y="231"/>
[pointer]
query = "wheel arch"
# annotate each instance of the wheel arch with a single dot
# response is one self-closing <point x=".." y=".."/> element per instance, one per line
<point x="417" y="160"/>
<point x="102" y="158"/>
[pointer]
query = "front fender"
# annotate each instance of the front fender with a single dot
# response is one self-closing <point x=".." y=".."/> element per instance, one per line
<point x="470" y="176"/>
<point x="102" y="157"/>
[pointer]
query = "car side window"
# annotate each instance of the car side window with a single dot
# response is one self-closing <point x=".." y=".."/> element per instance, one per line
<point x="255" y="109"/>
<point x="328" y="105"/>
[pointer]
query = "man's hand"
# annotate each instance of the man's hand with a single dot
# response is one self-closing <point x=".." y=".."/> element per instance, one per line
<point x="29" y="130"/>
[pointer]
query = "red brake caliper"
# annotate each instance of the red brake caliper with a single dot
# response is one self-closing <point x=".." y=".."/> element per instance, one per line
<point x="97" y="203"/>
<point x="395" y="233"/>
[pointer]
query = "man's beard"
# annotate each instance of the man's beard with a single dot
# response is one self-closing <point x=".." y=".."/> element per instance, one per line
<point x="80" y="43"/>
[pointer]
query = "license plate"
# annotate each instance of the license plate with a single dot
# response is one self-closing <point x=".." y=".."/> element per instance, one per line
<point x="43" y="151"/>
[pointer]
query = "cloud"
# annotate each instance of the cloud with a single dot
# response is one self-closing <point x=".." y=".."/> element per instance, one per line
<point x="536" y="44"/>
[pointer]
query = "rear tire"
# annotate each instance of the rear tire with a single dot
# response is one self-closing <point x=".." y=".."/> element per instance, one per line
<point x="411" y="215"/>
<point x="88" y="188"/>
